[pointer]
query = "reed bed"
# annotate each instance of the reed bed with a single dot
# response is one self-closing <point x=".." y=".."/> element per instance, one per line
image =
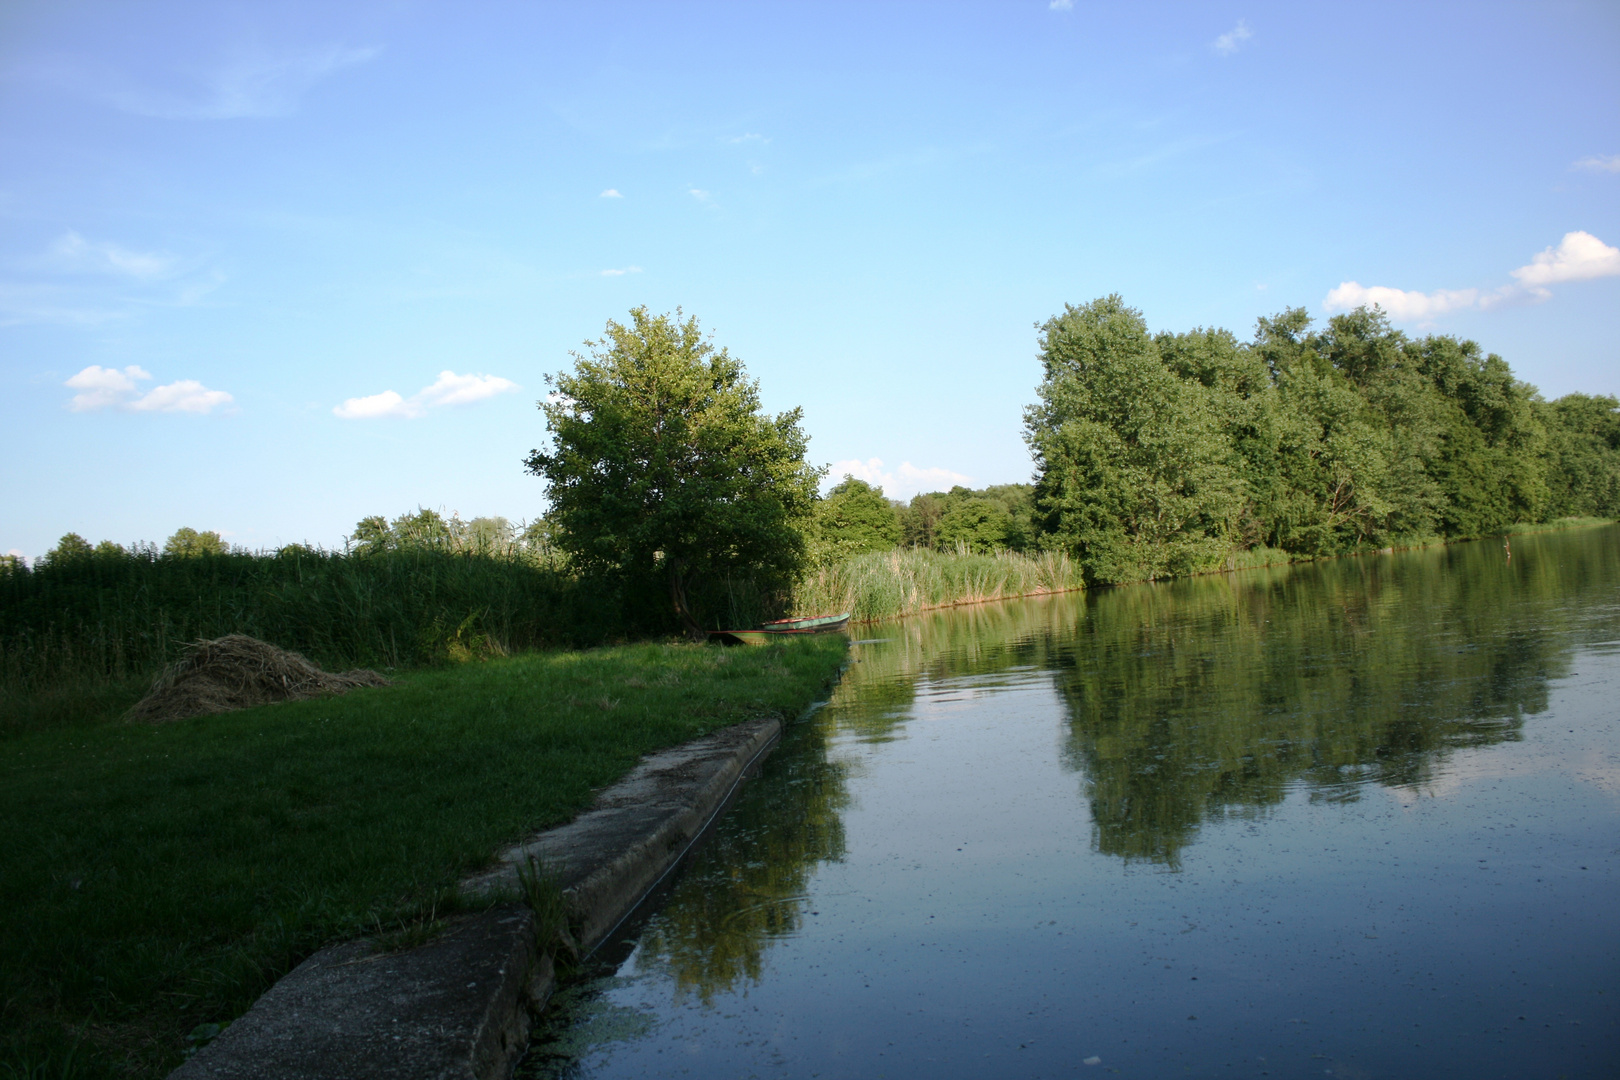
<point x="114" y="620"/>
<point x="885" y="584"/>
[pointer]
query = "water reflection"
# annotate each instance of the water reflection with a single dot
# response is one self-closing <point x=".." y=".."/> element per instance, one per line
<point x="1210" y="697"/>
<point x="752" y="882"/>
<point x="1175" y="707"/>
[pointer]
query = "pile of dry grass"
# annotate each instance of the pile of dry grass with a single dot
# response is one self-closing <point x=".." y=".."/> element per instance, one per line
<point x="236" y="672"/>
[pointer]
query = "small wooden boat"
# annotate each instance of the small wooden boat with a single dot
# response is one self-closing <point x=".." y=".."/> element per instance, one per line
<point x="778" y="629"/>
<point x="812" y="622"/>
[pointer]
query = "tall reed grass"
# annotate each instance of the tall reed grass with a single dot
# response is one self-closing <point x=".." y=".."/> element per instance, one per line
<point x="112" y="617"/>
<point x="885" y="584"/>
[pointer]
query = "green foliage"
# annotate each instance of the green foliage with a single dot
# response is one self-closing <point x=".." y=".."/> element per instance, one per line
<point x="998" y="519"/>
<point x="1133" y="468"/>
<point x="428" y="529"/>
<point x="1583" y="444"/>
<point x="975" y="525"/>
<point x="93" y="625"/>
<point x="71" y="548"/>
<point x="663" y="463"/>
<point x="855" y="518"/>
<point x="1178" y="453"/>
<point x="159" y="878"/>
<point x="908" y="580"/>
<point x="188" y="543"/>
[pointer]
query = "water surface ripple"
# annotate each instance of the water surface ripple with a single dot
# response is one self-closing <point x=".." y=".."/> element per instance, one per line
<point x="1352" y="819"/>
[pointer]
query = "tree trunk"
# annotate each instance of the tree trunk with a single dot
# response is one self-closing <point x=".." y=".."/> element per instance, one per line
<point x="677" y="596"/>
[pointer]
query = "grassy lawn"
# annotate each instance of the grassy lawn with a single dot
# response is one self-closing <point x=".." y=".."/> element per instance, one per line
<point x="158" y="878"/>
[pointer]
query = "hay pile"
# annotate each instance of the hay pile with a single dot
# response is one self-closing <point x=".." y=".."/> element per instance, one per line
<point x="235" y="672"/>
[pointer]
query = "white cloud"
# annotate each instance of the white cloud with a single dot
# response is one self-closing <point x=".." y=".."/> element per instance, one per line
<point x="1401" y="304"/>
<point x="1231" y="41"/>
<point x="901" y="483"/>
<point x="1599" y="163"/>
<point x="387" y="403"/>
<point x="73" y="252"/>
<point x="104" y="388"/>
<point x="247" y="86"/>
<point x="748" y="137"/>
<point x="610" y="193"/>
<point x="1579" y="256"/>
<point x="622" y="272"/>
<point x="1061" y="5"/>
<point x="448" y="389"/>
<point x="99" y="387"/>
<point x="452" y="389"/>
<point x="699" y="194"/>
<point x="187" y="395"/>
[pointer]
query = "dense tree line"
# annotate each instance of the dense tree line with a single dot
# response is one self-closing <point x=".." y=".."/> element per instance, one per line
<point x="1163" y="454"/>
<point x="855" y="518"/>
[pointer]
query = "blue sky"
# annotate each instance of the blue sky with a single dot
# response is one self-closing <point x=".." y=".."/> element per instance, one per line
<point x="269" y="268"/>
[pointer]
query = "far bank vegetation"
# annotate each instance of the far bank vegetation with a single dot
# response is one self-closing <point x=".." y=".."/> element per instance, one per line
<point x="1155" y="455"/>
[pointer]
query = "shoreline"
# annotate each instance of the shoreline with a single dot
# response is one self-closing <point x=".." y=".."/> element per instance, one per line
<point x="1511" y="531"/>
<point x="462" y="1004"/>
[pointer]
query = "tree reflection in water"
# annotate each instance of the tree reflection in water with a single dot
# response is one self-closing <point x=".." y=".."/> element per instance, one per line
<point x="1183" y="702"/>
<point x="1212" y="697"/>
<point x="750" y="885"/>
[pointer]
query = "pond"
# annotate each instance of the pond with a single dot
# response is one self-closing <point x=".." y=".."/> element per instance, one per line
<point x="1357" y="818"/>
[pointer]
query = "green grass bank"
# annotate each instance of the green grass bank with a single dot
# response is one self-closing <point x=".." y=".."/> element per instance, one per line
<point x="156" y="878"/>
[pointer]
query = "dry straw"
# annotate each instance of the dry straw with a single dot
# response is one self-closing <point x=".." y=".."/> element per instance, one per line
<point x="237" y="672"/>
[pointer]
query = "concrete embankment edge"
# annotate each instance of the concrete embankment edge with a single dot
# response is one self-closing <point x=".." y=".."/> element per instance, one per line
<point x="460" y="1005"/>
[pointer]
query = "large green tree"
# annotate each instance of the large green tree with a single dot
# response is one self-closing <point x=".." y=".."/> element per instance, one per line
<point x="662" y="461"/>
<point x="855" y="518"/>
<point x="1134" y="472"/>
<point x="188" y="543"/>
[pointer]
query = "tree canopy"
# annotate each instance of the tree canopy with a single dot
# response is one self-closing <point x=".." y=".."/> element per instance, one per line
<point x="1169" y="453"/>
<point x="854" y="518"/>
<point x="188" y="543"/>
<point x="663" y="462"/>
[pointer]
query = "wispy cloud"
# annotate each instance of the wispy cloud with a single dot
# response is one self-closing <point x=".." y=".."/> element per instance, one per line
<point x="249" y="84"/>
<point x="1160" y="154"/>
<point x="77" y="280"/>
<point x="610" y="193"/>
<point x="1061" y="5"/>
<point x="1598" y="163"/>
<point x="1231" y="41"/>
<point x="620" y="272"/>
<point x="109" y="388"/>
<point x="900" y="483"/>
<point x="73" y="253"/>
<point x="28" y="303"/>
<point x="448" y="389"/>
<point x="1579" y="256"/>
<point x="748" y="137"/>
<point x="699" y="194"/>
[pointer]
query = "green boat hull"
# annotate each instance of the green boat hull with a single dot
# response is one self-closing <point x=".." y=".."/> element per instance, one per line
<point x="782" y="628"/>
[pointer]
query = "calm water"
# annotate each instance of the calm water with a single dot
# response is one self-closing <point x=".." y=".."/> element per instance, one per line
<point x="1355" y="819"/>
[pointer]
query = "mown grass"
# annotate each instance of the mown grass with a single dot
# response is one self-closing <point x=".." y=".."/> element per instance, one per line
<point x="887" y="584"/>
<point x="156" y="878"/>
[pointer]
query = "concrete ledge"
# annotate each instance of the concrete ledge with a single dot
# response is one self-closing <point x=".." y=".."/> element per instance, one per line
<point x="611" y="856"/>
<point x="453" y="1008"/>
<point x="459" y="1006"/>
